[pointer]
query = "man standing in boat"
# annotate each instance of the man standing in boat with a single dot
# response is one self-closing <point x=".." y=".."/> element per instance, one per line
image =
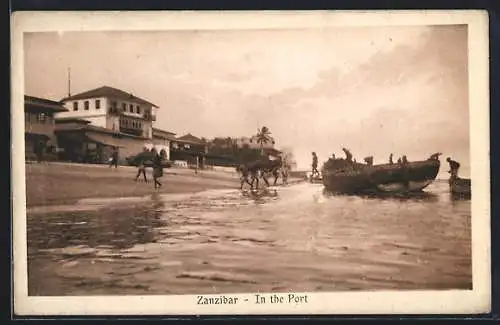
<point x="348" y="154"/>
<point x="454" y="166"/>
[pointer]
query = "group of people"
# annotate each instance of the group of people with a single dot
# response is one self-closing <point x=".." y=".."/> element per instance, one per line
<point x="42" y="149"/>
<point x="348" y="157"/>
<point x="251" y="172"/>
<point x="156" y="161"/>
<point x="454" y="166"/>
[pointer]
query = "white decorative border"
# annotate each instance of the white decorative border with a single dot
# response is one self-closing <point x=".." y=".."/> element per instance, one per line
<point x="381" y="302"/>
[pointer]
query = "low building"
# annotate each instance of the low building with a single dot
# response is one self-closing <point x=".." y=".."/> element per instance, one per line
<point x="161" y="141"/>
<point x="187" y="148"/>
<point x="83" y="142"/>
<point x="39" y="124"/>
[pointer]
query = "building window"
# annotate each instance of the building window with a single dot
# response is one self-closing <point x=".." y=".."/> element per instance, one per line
<point x="124" y="107"/>
<point x="75" y="106"/>
<point x="175" y="146"/>
<point x="187" y="146"/>
<point x="41" y="118"/>
<point x="97" y="104"/>
<point x="86" y="105"/>
<point x="138" y="109"/>
<point x="131" y="108"/>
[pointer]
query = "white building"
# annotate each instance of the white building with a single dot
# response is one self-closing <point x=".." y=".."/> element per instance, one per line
<point x="114" y="119"/>
<point x="113" y="109"/>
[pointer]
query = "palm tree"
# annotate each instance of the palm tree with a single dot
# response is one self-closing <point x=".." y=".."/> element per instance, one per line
<point x="263" y="136"/>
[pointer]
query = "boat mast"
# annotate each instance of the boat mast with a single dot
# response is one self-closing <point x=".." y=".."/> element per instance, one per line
<point x="69" y="82"/>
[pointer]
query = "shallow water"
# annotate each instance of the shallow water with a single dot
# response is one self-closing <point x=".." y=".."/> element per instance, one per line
<point x="294" y="238"/>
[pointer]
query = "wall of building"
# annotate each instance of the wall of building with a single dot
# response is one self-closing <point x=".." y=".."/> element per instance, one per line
<point x="130" y="147"/>
<point x="82" y="112"/>
<point x="40" y="123"/>
<point x="148" y="129"/>
<point x="88" y="109"/>
<point x="127" y="146"/>
<point x="113" y="122"/>
<point x="100" y="121"/>
<point x="160" y="144"/>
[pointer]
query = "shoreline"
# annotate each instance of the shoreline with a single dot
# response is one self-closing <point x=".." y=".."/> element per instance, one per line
<point x="58" y="183"/>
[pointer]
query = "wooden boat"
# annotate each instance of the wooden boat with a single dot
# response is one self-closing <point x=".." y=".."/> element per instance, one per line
<point x="342" y="176"/>
<point x="460" y="186"/>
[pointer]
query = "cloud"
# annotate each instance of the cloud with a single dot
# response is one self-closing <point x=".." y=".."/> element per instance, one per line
<point x="376" y="90"/>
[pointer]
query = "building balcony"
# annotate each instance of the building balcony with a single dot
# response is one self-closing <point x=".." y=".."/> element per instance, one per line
<point x="132" y="131"/>
<point x="149" y="117"/>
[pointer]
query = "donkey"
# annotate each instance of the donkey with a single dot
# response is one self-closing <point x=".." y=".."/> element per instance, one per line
<point x="259" y="169"/>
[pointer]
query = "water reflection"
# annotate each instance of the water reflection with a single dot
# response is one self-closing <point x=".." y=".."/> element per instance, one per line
<point x="261" y="196"/>
<point x="295" y="238"/>
<point x="414" y="196"/>
<point x="460" y="197"/>
<point x="113" y="227"/>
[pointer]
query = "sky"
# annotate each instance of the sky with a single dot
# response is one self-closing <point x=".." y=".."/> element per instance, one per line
<point x="374" y="90"/>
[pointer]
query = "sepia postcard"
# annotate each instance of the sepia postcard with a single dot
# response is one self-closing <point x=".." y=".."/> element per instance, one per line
<point x="264" y="162"/>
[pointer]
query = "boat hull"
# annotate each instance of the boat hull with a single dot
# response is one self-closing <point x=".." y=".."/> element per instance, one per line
<point x="389" y="178"/>
<point x="460" y="186"/>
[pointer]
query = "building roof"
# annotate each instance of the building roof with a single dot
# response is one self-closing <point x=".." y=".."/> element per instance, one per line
<point x="190" y="138"/>
<point x="158" y="133"/>
<point x="87" y="127"/>
<point x="164" y="131"/>
<point x="106" y="91"/>
<point x="43" y="104"/>
<point x="60" y="120"/>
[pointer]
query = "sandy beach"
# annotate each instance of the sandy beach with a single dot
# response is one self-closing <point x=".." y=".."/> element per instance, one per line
<point x="61" y="183"/>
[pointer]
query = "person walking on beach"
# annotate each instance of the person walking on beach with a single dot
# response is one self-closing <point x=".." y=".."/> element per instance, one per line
<point x="39" y="151"/>
<point x="314" y="165"/>
<point x="197" y="164"/>
<point x="157" y="169"/>
<point x="141" y="170"/>
<point x="114" y="158"/>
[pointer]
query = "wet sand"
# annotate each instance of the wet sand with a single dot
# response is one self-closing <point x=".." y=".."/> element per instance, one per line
<point x="59" y="183"/>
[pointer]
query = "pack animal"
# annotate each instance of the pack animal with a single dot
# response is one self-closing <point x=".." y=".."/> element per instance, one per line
<point x="260" y="169"/>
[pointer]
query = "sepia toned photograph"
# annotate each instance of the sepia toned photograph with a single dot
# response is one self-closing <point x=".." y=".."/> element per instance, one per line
<point x="256" y="168"/>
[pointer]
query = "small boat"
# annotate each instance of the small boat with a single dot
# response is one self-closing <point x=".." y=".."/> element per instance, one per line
<point x="342" y="176"/>
<point x="460" y="186"/>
